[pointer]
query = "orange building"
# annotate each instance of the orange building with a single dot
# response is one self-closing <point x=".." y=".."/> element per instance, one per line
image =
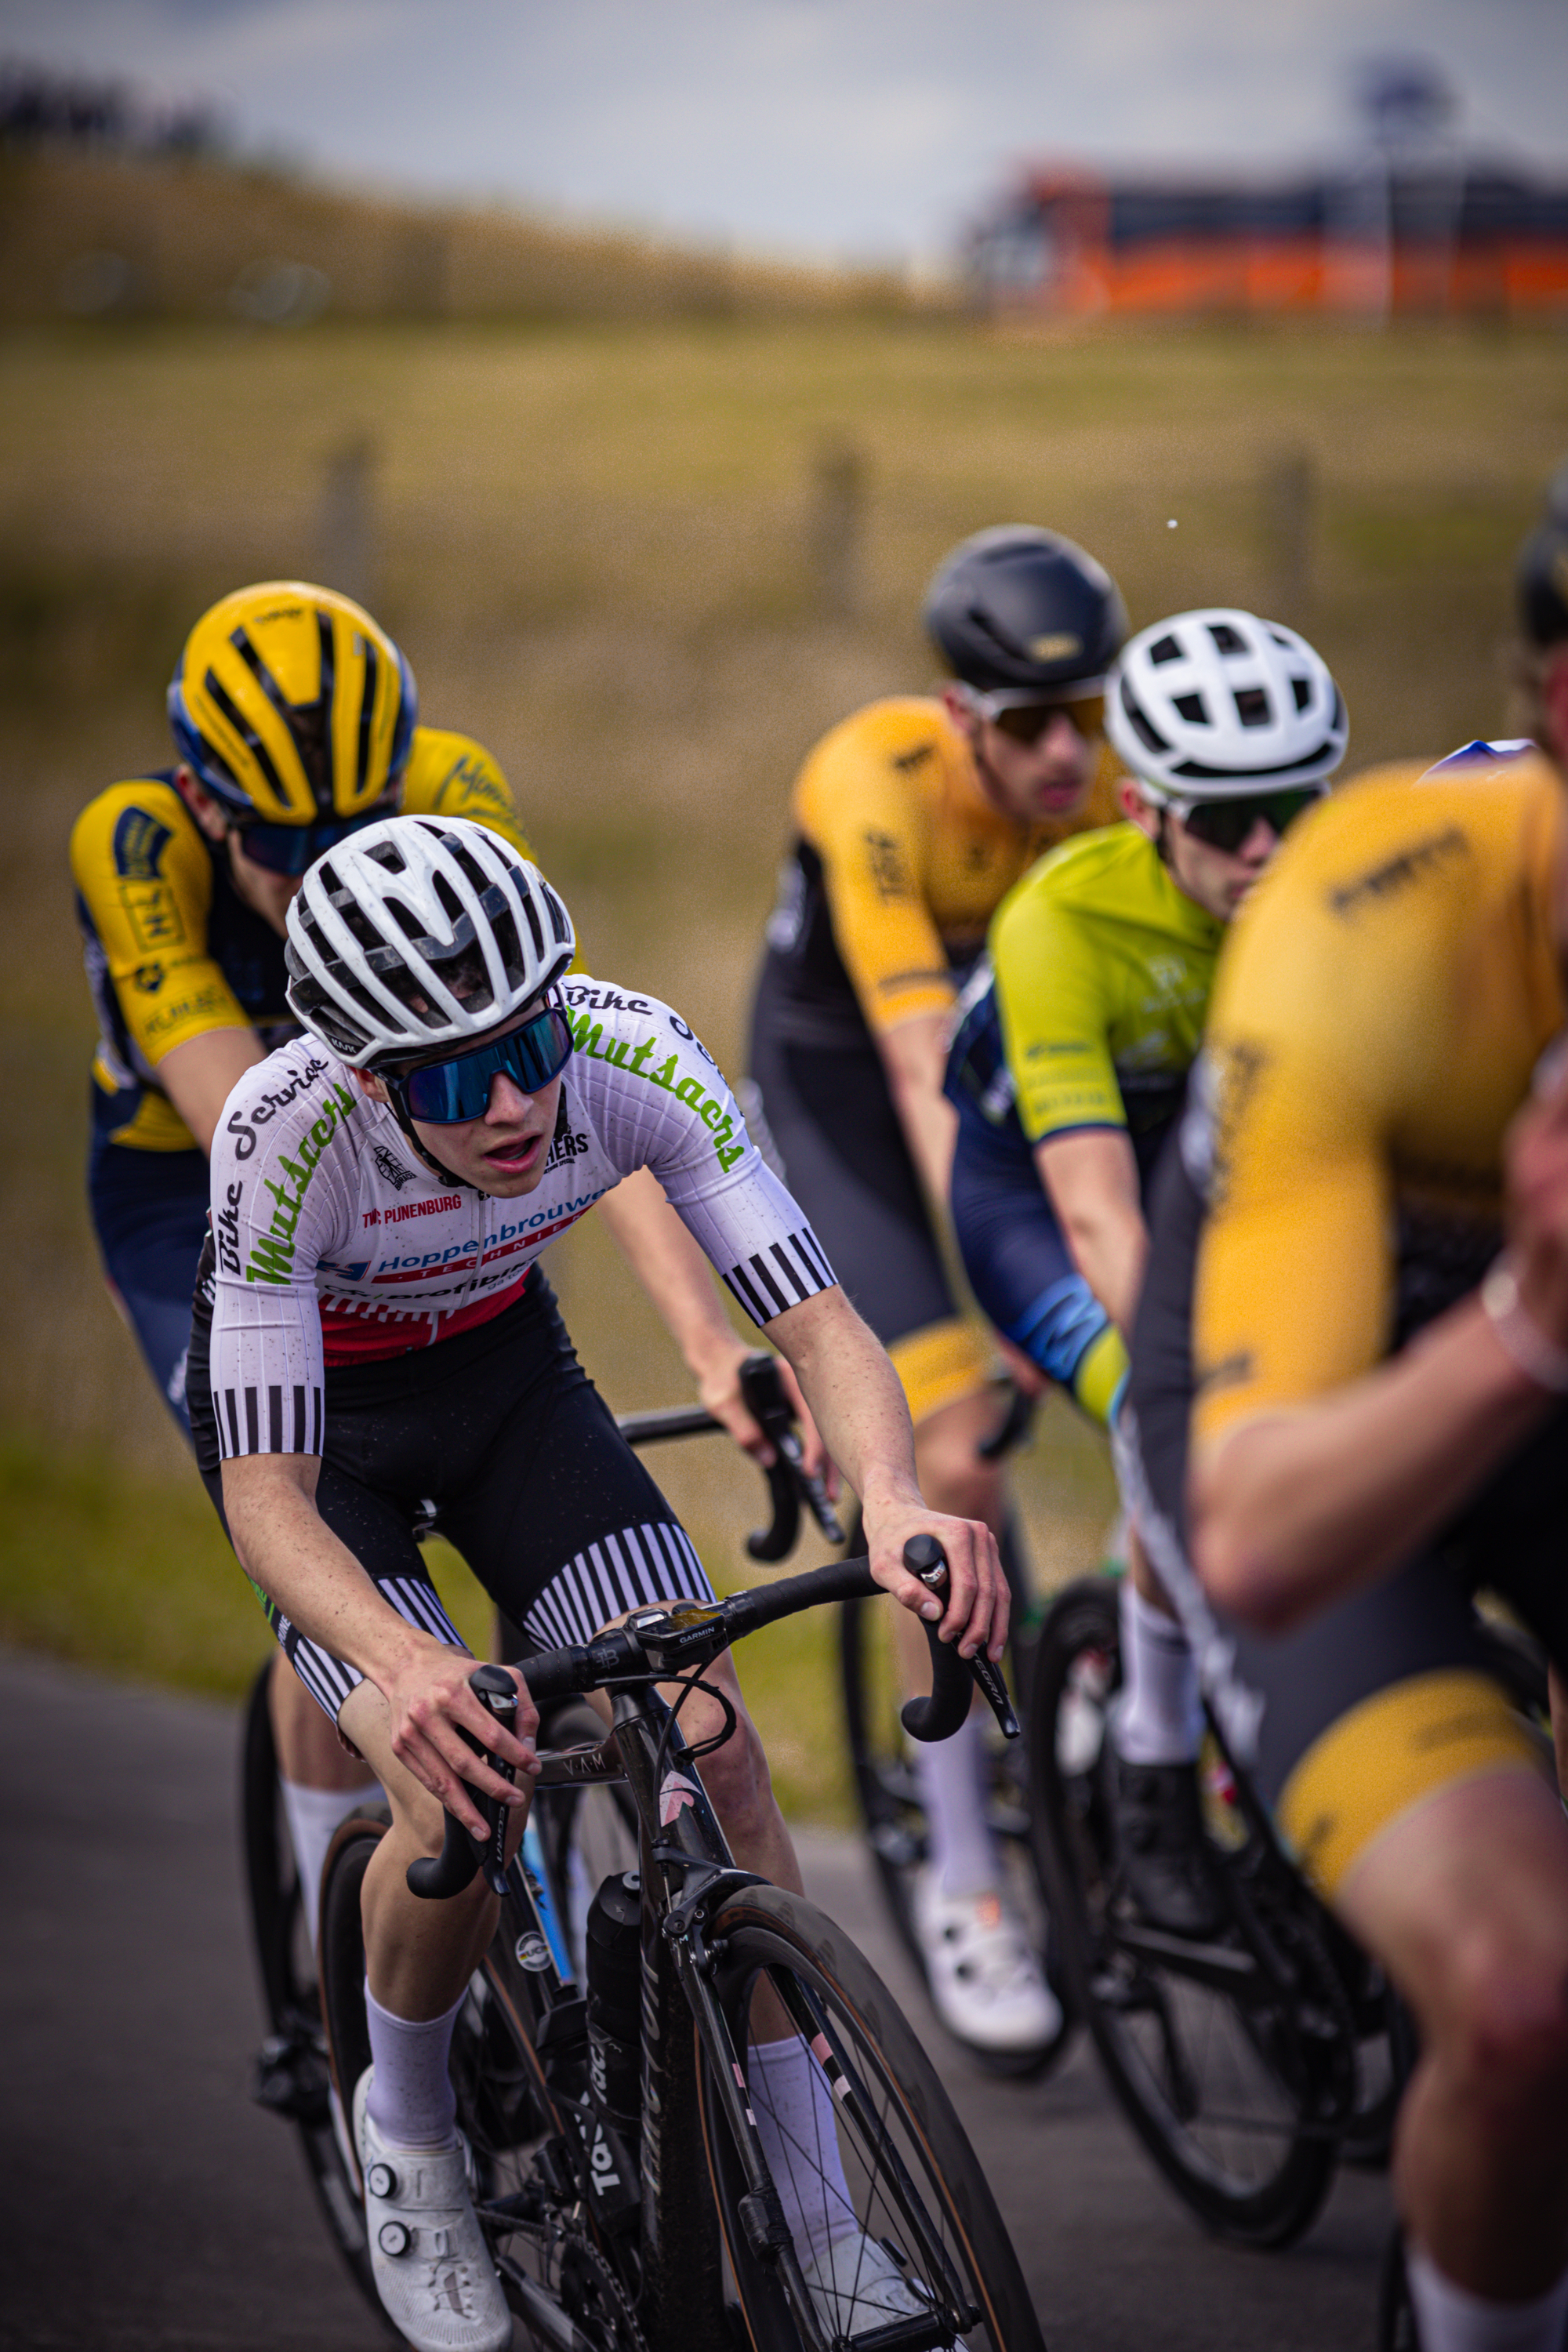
<point x="1460" y="238"/>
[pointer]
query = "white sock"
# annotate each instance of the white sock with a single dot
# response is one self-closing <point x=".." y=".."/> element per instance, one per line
<point x="950" y="1774"/>
<point x="1159" y="1716"/>
<point x="411" y="2102"/>
<point x="1451" y="2319"/>
<point x="313" y="1815"/>
<point x="796" y="2123"/>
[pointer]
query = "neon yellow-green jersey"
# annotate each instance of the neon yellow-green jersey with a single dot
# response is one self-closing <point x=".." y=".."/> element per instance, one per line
<point x="1103" y="969"/>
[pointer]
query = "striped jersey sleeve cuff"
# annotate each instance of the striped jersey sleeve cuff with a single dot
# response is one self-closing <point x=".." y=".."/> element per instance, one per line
<point x="781" y="1275"/>
<point x="268" y="1421"/>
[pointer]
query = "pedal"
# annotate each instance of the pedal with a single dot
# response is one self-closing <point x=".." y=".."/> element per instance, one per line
<point x="290" y="2078"/>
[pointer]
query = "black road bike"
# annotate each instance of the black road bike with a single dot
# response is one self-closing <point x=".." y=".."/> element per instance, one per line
<point x="581" y="1832"/>
<point x="622" y="2182"/>
<point x="1250" y="2064"/>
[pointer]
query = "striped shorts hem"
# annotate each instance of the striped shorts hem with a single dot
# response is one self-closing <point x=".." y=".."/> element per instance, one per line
<point x="629" y="1570"/>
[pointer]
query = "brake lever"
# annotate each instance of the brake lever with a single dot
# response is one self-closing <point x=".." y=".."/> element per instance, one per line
<point x="789" y="1480"/>
<point x="925" y="1558"/>
<point x="436" y="1877"/>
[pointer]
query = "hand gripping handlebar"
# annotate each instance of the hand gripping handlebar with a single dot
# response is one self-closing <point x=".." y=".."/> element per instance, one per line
<point x="657" y="1644"/>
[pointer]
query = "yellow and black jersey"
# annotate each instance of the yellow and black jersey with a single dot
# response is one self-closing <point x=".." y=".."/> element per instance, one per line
<point x="1380" y="1008"/>
<point x="899" y="864"/>
<point x="173" y="950"/>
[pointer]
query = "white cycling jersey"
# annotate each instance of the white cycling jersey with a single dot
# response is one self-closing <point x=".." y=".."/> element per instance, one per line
<point x="335" y="1243"/>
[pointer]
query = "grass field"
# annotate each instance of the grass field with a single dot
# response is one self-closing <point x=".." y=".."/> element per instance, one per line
<point x="594" y="543"/>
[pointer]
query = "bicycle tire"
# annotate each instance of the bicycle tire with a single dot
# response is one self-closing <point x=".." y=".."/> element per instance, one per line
<point x="893" y="1812"/>
<point x="290" y="1996"/>
<point x="906" y="2120"/>
<point x="1230" y="2096"/>
<point x="271" y="1888"/>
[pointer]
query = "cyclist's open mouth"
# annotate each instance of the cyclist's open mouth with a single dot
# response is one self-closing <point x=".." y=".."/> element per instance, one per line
<point x="516" y="1157"/>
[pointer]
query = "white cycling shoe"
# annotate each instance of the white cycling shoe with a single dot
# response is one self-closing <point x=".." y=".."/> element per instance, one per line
<point x="986" y="1982"/>
<point x="857" y="2286"/>
<point x="433" y="2271"/>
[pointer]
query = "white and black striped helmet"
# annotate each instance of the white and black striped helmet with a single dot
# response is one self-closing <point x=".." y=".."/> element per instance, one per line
<point x="383" y="923"/>
<point x="1207" y="706"/>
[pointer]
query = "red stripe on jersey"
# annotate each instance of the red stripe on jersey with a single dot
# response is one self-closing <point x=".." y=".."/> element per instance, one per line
<point x="349" y="1335"/>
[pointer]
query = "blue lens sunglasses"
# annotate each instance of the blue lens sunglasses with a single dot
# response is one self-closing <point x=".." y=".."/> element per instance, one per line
<point x="446" y="1094"/>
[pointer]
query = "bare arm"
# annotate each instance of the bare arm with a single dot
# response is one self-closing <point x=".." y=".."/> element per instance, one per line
<point x="199" y="1076"/>
<point x="1091" y="1182"/>
<point x="1291" y="1512"/>
<point x="914" y="1057"/>
<point x="859" y="1406"/>
<point x="677" y="1277"/>
<point x="283" y="1542"/>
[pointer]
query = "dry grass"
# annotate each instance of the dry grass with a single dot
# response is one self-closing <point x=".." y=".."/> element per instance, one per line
<point x="593" y="542"/>
<point x="188" y="232"/>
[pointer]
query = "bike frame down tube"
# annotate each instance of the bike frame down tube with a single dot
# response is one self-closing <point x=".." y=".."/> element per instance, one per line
<point x="683" y="2296"/>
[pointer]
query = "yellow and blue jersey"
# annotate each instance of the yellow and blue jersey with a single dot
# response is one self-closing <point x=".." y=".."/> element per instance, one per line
<point x="173" y="950"/>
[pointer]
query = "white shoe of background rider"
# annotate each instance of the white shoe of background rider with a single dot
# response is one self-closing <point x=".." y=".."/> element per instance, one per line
<point x="433" y="2269"/>
<point x="858" y="2288"/>
<point x="986" y="1982"/>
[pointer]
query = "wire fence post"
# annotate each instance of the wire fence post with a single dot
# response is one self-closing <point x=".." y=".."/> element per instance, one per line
<point x="347" y="547"/>
<point x="1290" y="502"/>
<point x="837" y="529"/>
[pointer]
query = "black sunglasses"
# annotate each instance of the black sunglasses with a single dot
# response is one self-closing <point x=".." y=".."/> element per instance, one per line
<point x="1226" y="824"/>
<point x="291" y="848"/>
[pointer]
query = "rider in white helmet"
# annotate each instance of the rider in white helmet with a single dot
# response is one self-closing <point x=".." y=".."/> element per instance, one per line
<point x="1068" y="1067"/>
<point x="374" y="1335"/>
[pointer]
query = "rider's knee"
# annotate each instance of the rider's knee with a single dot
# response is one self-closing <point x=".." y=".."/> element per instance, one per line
<point x="953" y="1475"/>
<point x="1500" y="2018"/>
<point x="736" y="1777"/>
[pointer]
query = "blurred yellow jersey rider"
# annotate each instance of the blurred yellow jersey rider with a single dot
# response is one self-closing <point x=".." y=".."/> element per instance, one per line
<point x="295" y="720"/>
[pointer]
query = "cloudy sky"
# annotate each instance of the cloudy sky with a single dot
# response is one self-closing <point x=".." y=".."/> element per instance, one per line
<point x="861" y="129"/>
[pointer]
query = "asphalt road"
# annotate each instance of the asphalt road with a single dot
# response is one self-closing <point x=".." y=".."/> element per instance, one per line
<point x="147" y="2203"/>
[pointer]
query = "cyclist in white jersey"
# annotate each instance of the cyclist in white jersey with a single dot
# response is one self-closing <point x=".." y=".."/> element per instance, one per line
<point x="373" y="1332"/>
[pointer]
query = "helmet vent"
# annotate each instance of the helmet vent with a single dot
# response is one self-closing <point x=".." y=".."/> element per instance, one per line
<point x="504" y="931"/>
<point x="419" y="933"/>
<point x="1192" y="707"/>
<point x="1166" y="650"/>
<point x="1141" y="726"/>
<point x="1252" y="706"/>
<point x="469" y="865"/>
<point x="1301" y="688"/>
<point x="1226" y="640"/>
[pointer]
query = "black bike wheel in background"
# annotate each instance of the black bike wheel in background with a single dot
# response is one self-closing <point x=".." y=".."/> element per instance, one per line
<point x="288" y="1972"/>
<point x="1239" y="2095"/>
<point x="893" y="1812"/>
<point x="347" y="2043"/>
<point x="914" y="2182"/>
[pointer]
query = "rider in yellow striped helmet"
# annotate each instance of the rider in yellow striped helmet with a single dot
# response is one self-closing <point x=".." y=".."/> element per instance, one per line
<point x="296" y="711"/>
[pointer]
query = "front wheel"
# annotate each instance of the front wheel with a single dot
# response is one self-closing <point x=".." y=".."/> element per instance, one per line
<point x="898" y="2218"/>
<point x="1235" y="2061"/>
